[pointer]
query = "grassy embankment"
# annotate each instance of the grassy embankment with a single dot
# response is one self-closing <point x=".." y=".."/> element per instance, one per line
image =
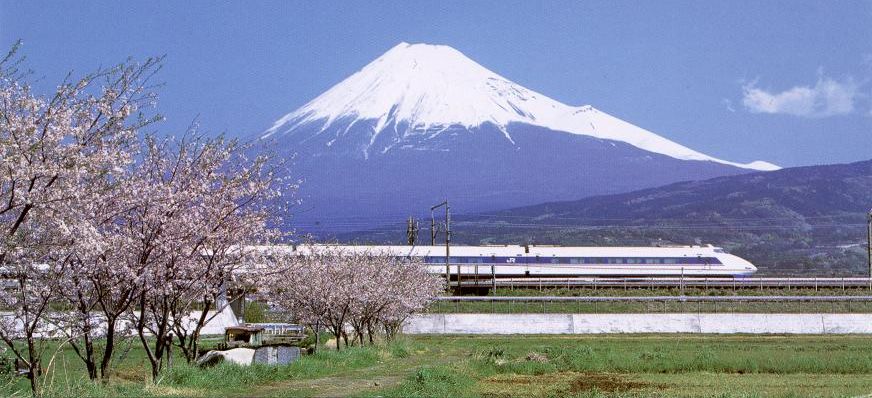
<point x="535" y="366"/>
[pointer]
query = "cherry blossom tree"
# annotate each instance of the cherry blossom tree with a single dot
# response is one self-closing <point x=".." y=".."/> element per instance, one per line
<point x="357" y="292"/>
<point x="202" y="201"/>
<point x="52" y="150"/>
<point x="95" y="284"/>
<point x="115" y="230"/>
<point x="236" y="212"/>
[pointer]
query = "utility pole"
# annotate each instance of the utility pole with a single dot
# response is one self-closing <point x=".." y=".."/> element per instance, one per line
<point x="447" y="239"/>
<point x="432" y="228"/>
<point x="869" y="247"/>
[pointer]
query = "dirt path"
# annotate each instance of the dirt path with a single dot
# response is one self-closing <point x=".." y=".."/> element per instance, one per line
<point x="349" y="383"/>
<point x="353" y="382"/>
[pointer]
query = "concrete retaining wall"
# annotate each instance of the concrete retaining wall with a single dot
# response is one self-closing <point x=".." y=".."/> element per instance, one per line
<point x="638" y="323"/>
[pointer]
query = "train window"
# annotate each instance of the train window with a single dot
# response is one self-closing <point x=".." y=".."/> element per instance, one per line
<point x="670" y="261"/>
<point x="652" y="261"/>
<point x="575" y="260"/>
<point x="555" y="260"/>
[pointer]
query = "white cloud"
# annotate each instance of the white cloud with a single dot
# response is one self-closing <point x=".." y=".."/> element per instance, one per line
<point x="828" y="97"/>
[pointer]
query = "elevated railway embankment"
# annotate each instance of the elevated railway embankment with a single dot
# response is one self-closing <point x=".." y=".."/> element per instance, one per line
<point x="693" y="323"/>
<point x="809" y="314"/>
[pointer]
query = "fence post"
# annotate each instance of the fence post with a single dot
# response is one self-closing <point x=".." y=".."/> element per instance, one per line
<point x="493" y="280"/>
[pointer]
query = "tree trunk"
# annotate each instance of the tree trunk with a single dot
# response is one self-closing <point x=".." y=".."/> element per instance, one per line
<point x="169" y="347"/>
<point x="155" y="356"/>
<point x="109" y="349"/>
<point x="317" y="337"/>
<point x="33" y="367"/>
<point x="92" y="369"/>
<point x="90" y="362"/>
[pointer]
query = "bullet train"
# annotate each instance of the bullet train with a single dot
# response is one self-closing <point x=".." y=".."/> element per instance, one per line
<point x="559" y="261"/>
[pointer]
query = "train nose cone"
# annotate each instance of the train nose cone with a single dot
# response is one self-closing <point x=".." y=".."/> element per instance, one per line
<point x="747" y="267"/>
<point x="738" y="266"/>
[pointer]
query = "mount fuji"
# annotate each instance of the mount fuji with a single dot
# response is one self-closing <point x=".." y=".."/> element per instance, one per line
<point x="423" y="123"/>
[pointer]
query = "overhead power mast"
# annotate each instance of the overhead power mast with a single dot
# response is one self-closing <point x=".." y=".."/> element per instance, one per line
<point x="412" y="231"/>
<point x="447" y="239"/>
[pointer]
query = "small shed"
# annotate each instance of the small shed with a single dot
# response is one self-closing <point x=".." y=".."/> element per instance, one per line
<point x="243" y="335"/>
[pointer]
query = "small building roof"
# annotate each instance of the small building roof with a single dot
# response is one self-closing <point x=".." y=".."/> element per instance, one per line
<point x="244" y="328"/>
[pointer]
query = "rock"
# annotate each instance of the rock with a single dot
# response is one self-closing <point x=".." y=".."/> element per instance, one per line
<point x="239" y="356"/>
<point x="537" y="357"/>
<point x="210" y="359"/>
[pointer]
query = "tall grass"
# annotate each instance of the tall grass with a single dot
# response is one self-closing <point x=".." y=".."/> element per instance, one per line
<point x="231" y="376"/>
<point x="676" y="355"/>
<point x="434" y="381"/>
<point x="182" y="377"/>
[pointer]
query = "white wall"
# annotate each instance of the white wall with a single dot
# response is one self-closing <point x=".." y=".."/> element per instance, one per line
<point x="638" y="323"/>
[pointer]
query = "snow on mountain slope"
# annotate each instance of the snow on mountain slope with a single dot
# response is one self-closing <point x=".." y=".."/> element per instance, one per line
<point x="432" y="87"/>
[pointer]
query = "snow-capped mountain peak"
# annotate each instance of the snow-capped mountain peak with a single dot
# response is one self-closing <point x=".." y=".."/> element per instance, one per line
<point x="426" y="86"/>
<point x="431" y="86"/>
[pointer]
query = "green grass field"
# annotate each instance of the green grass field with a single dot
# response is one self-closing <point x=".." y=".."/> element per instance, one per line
<point x="514" y="366"/>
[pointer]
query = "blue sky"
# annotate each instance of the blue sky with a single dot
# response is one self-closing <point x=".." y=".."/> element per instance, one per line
<point x="789" y="82"/>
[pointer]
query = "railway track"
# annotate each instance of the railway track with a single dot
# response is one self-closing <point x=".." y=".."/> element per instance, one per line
<point x="471" y="282"/>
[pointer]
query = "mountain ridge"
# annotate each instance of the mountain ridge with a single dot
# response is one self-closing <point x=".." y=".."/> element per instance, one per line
<point x="807" y="220"/>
